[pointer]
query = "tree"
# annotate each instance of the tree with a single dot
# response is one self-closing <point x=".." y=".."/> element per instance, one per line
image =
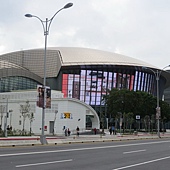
<point x="165" y="113"/>
<point x="165" y="110"/>
<point x="144" y="104"/>
<point x="24" y="110"/>
<point x="31" y="118"/>
<point x="130" y="119"/>
<point x="147" y="123"/>
<point x="139" y="103"/>
<point x="153" y="118"/>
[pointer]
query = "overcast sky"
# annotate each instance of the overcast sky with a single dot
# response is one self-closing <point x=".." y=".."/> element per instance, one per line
<point x="135" y="28"/>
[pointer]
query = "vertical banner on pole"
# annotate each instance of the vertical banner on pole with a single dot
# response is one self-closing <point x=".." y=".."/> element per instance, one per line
<point x="40" y="96"/>
<point x="48" y="97"/>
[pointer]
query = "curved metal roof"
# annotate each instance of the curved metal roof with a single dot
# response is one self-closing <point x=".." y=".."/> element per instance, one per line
<point x="6" y="64"/>
<point x="85" y="56"/>
<point x="33" y="60"/>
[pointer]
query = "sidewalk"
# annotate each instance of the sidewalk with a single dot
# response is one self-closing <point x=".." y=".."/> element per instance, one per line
<point x="55" y="140"/>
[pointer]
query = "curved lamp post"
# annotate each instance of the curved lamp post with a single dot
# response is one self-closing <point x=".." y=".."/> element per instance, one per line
<point x="157" y="74"/>
<point x="46" y="26"/>
<point x="5" y="120"/>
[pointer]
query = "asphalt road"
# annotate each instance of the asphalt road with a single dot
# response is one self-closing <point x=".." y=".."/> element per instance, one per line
<point x="131" y="155"/>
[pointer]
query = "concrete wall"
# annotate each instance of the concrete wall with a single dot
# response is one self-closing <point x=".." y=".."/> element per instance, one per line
<point x="77" y="111"/>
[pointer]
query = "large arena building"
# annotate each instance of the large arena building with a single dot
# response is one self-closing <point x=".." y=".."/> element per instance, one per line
<point x="80" y="73"/>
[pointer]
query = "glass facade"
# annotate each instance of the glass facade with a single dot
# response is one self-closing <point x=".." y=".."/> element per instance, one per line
<point x="8" y="84"/>
<point x="89" y="85"/>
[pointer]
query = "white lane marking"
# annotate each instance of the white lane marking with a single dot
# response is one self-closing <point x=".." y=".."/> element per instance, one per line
<point x="134" y="151"/>
<point x="142" y="163"/>
<point x="43" y="163"/>
<point x="81" y="149"/>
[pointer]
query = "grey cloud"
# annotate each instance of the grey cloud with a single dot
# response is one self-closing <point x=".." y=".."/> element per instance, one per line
<point x="136" y="28"/>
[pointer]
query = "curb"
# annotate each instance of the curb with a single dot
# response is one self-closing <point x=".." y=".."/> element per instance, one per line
<point x="7" y="142"/>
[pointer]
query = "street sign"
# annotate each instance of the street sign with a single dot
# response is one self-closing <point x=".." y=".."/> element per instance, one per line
<point x="138" y="117"/>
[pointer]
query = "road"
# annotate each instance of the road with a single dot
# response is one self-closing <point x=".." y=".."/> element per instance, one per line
<point x="130" y="155"/>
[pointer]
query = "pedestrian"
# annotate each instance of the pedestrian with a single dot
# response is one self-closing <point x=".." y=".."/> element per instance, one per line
<point x="8" y="127"/>
<point x="110" y="130"/>
<point x="11" y="128"/>
<point x="113" y="130"/>
<point x="68" y="131"/>
<point x="95" y="131"/>
<point x="77" y="129"/>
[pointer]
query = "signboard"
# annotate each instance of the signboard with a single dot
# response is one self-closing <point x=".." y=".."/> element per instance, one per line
<point x="137" y="117"/>
<point x="45" y="128"/>
<point x="66" y="115"/>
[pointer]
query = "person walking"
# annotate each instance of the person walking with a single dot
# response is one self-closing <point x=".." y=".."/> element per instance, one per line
<point x="77" y="129"/>
<point x="113" y="130"/>
<point x="68" y="131"/>
<point x="95" y="131"/>
<point x="110" y="130"/>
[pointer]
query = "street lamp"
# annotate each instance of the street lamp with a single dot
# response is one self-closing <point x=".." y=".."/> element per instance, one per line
<point x="157" y="74"/>
<point x="46" y="26"/>
<point x="5" y="119"/>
